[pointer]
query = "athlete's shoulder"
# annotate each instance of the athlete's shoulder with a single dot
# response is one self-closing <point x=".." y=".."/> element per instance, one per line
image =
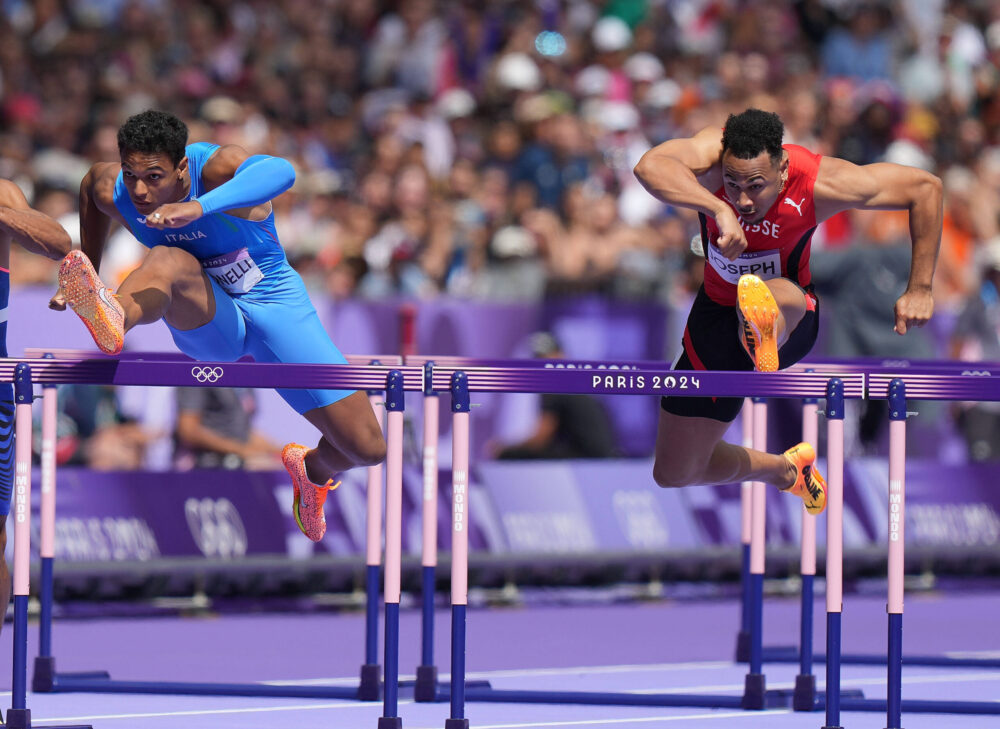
<point x="100" y="181"/>
<point x="803" y="159"/>
<point x="11" y="195"/>
<point x="200" y="151"/>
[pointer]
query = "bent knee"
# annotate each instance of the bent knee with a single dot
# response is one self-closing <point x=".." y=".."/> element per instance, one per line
<point x="173" y="260"/>
<point x="669" y="477"/>
<point x="371" y="451"/>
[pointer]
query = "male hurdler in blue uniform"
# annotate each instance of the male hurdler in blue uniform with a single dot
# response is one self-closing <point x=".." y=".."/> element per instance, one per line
<point x="217" y="275"/>
<point x="37" y="233"/>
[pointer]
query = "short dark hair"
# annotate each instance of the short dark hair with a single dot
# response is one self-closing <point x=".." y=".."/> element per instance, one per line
<point x="753" y="131"/>
<point x="153" y="132"/>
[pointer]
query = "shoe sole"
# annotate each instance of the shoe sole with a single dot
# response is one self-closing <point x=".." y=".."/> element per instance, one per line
<point x="760" y="311"/>
<point x="81" y="287"/>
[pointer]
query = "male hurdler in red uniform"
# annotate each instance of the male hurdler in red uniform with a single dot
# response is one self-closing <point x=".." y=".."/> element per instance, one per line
<point x="759" y="203"/>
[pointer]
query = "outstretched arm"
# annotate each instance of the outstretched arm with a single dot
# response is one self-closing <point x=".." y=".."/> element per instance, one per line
<point x="34" y="231"/>
<point x="677" y="172"/>
<point x="841" y="185"/>
<point x="236" y="183"/>
<point x="96" y="193"/>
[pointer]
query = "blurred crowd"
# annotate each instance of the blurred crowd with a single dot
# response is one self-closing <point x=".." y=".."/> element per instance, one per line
<point x="485" y="149"/>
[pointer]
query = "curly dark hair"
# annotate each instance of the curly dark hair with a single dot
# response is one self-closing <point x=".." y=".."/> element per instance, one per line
<point x="751" y="132"/>
<point x="153" y="132"/>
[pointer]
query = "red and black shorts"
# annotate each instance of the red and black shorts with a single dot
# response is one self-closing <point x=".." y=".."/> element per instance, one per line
<point x="711" y="342"/>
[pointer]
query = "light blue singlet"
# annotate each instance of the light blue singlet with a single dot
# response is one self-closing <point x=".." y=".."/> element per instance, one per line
<point x="261" y="305"/>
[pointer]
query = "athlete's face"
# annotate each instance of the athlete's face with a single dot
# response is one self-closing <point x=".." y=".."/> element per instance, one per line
<point x="152" y="180"/>
<point x="753" y="185"/>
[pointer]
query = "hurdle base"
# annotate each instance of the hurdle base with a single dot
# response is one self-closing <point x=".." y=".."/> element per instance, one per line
<point x="756" y="695"/>
<point x="44" y="674"/>
<point x="456" y="724"/>
<point x="18" y="719"/>
<point x="426" y="686"/>
<point x="804" y="698"/>
<point x="390" y="722"/>
<point x="370" y="688"/>
<point x="21" y="719"/>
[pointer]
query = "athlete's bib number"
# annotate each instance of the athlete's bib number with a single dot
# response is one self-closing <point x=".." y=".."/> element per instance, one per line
<point x="763" y="264"/>
<point x="236" y="272"/>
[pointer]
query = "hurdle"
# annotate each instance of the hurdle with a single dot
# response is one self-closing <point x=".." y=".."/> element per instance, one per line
<point x="714" y="383"/>
<point x="182" y="373"/>
<point x="627" y="382"/>
<point x="45" y="675"/>
<point x="804" y="697"/>
<point x="894" y="388"/>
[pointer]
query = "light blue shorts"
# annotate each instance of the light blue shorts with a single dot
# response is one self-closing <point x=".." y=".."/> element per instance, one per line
<point x="279" y="324"/>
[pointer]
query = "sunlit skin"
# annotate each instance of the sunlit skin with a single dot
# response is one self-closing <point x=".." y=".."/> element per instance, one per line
<point x="152" y="180"/>
<point x="753" y="185"/>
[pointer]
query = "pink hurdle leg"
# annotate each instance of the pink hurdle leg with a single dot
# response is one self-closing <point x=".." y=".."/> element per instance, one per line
<point x="834" y="546"/>
<point x="426" y="685"/>
<point x="746" y="508"/>
<point x="19" y="714"/>
<point x="370" y="688"/>
<point x="459" y="546"/>
<point x="393" y="548"/>
<point x="43" y="676"/>
<point x="804" y="698"/>
<point x="897" y="521"/>
<point x="754" y="691"/>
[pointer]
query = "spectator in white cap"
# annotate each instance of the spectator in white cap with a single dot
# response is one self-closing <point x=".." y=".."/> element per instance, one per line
<point x="612" y="38"/>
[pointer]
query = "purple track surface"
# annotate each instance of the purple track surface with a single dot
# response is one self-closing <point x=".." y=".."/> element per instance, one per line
<point x="658" y="646"/>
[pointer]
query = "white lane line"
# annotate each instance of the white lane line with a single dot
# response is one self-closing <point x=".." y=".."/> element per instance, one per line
<point x="207" y="712"/>
<point x="638" y="719"/>
<point x="515" y="673"/>
<point x="875" y="681"/>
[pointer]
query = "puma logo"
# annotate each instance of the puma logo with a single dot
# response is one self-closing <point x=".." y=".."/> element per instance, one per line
<point x="796" y="205"/>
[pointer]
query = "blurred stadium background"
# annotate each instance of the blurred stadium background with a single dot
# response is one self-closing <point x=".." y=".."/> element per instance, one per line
<point x="464" y="181"/>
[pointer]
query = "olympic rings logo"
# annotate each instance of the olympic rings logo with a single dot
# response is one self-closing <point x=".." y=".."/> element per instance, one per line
<point x="207" y="374"/>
